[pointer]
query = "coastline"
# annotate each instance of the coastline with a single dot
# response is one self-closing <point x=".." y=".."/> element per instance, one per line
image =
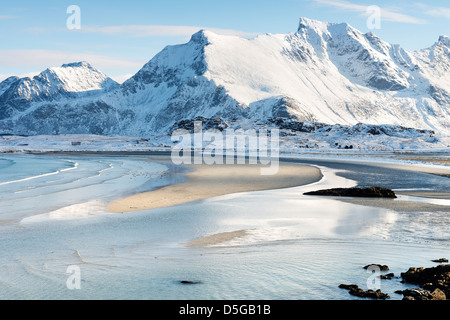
<point x="211" y="181"/>
<point x="242" y="238"/>
<point x="188" y="183"/>
<point x="205" y="181"/>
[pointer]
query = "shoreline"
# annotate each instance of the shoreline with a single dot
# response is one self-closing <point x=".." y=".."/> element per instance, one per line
<point x="206" y="181"/>
<point x="198" y="182"/>
<point x="213" y="174"/>
<point x="212" y="181"/>
<point x="275" y="234"/>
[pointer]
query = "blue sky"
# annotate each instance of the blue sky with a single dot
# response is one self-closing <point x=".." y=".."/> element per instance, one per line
<point x="119" y="37"/>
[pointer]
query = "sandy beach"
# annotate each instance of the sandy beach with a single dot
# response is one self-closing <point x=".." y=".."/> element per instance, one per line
<point x="212" y="181"/>
<point x="231" y="244"/>
<point x="207" y="181"/>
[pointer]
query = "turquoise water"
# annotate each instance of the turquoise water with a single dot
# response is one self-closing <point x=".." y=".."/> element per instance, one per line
<point x="297" y="247"/>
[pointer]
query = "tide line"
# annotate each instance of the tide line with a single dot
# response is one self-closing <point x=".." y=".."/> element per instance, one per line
<point x="42" y="175"/>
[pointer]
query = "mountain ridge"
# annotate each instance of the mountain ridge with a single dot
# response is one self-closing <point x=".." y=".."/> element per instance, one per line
<point x="325" y="72"/>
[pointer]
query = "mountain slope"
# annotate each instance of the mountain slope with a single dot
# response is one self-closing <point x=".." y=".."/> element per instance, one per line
<point x="330" y="73"/>
<point x="325" y="72"/>
<point x="58" y="100"/>
<point x="172" y="87"/>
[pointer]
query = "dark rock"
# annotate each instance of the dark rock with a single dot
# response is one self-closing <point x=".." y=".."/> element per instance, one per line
<point x="354" y="290"/>
<point x="430" y="279"/>
<point x="348" y="286"/>
<point x="438" y="294"/>
<point x="388" y="276"/>
<point x="442" y="260"/>
<point x="381" y="267"/>
<point x="207" y="124"/>
<point x="295" y="125"/>
<point x="370" y="192"/>
<point x="417" y="294"/>
<point x="374" y="131"/>
<point x="421" y="276"/>
<point x="190" y="282"/>
<point x="422" y="294"/>
<point x="370" y="294"/>
<point x="384" y="83"/>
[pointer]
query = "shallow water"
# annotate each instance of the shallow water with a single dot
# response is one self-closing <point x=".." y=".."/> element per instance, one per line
<point x="372" y="175"/>
<point x="33" y="185"/>
<point x="297" y="247"/>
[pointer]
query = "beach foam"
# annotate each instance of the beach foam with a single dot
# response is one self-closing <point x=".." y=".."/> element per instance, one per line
<point x="57" y="187"/>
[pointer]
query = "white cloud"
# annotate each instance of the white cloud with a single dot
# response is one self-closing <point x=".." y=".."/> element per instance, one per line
<point x="142" y="31"/>
<point x="42" y="59"/>
<point x="386" y="14"/>
<point x="6" y="17"/>
<point x="29" y="74"/>
<point x="439" y="12"/>
<point x="122" y="78"/>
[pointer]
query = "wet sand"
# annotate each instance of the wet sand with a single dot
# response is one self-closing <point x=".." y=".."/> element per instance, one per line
<point x="217" y="238"/>
<point x="399" y="205"/>
<point x="424" y="194"/>
<point x="212" y="181"/>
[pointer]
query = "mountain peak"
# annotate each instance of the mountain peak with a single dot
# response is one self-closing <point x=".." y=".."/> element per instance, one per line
<point x="316" y="25"/>
<point x="306" y="23"/>
<point x="319" y="32"/>
<point x="202" y="36"/>
<point x="81" y="64"/>
<point x="10" y="79"/>
<point x="6" y="83"/>
<point x="444" y="40"/>
<point x="72" y="77"/>
<point x="326" y="72"/>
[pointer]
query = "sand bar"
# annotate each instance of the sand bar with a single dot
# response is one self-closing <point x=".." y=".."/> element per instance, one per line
<point x="212" y="181"/>
<point x="218" y="238"/>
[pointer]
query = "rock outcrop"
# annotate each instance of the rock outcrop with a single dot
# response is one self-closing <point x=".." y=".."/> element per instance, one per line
<point x="434" y="283"/>
<point x="370" y="192"/>
<point x="354" y="290"/>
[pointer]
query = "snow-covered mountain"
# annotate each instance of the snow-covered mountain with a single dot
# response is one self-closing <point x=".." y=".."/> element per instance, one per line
<point x="325" y="72"/>
<point x="58" y="100"/>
